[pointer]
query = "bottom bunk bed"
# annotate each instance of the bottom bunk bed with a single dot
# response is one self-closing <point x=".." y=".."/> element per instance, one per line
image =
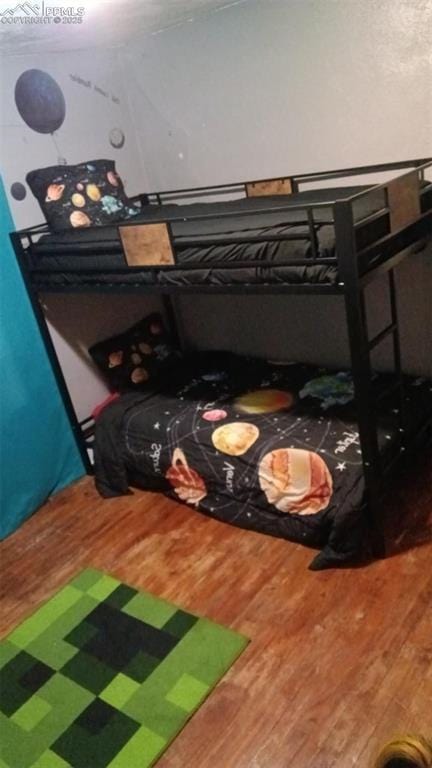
<point x="268" y="447"/>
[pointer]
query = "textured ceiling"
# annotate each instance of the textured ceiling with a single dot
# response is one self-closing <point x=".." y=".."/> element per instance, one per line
<point x="26" y="26"/>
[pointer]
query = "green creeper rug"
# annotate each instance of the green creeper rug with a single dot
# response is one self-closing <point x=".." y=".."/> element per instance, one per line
<point x="103" y="675"/>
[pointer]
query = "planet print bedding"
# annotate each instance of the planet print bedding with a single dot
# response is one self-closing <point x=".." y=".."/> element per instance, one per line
<point x="268" y="447"/>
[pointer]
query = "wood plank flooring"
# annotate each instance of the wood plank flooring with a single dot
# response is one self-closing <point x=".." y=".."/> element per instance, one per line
<point x="339" y="660"/>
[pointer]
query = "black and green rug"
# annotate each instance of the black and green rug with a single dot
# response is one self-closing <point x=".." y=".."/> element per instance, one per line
<point x="104" y="675"/>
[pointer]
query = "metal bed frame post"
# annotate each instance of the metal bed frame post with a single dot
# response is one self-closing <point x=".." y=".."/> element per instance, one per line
<point x="171" y="318"/>
<point x="52" y="354"/>
<point x="361" y="368"/>
<point x="397" y="357"/>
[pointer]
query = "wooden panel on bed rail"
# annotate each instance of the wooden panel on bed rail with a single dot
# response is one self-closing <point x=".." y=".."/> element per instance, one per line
<point x="282" y="186"/>
<point x="147" y="245"/>
<point x="403" y="198"/>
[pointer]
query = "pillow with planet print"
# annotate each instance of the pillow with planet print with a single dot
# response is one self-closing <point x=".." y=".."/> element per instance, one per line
<point x="84" y="195"/>
<point x="137" y="358"/>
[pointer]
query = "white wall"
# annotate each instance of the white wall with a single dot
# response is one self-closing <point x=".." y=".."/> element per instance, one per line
<point x="271" y="87"/>
<point x="84" y="134"/>
<point x="75" y="321"/>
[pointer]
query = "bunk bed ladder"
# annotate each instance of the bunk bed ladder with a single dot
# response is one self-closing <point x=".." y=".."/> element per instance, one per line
<point x="360" y="350"/>
<point x="397" y="386"/>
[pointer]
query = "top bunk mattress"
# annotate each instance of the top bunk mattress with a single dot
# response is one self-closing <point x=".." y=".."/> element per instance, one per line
<point x="212" y="241"/>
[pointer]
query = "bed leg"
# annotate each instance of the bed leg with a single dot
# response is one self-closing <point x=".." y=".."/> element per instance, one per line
<point x="376" y="531"/>
<point x="171" y="318"/>
<point x="378" y="543"/>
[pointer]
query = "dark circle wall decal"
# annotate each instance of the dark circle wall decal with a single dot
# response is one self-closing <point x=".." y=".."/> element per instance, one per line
<point x="40" y="101"/>
<point x="18" y="190"/>
<point x="117" y="138"/>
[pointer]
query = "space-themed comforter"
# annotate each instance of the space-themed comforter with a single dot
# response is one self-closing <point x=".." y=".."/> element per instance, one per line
<point x="213" y="249"/>
<point x="273" y="448"/>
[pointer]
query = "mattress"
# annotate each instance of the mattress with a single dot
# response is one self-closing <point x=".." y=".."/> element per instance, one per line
<point x="213" y="250"/>
<point x="271" y="448"/>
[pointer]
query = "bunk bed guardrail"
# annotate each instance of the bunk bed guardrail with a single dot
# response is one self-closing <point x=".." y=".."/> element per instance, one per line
<point x="405" y="216"/>
<point x="154" y="244"/>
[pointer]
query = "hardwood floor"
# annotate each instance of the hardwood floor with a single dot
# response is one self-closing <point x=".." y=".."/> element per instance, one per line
<point x="338" y="661"/>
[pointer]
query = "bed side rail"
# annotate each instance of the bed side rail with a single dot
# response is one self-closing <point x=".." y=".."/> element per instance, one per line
<point x="281" y="185"/>
<point x="403" y="217"/>
<point x="406" y="200"/>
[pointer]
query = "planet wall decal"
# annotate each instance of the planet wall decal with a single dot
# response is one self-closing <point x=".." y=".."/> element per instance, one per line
<point x="116" y="138"/>
<point x="40" y="101"/>
<point x="295" y="481"/>
<point x="18" y="190"/>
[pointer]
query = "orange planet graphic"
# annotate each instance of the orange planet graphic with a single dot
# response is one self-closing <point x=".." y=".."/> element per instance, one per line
<point x="79" y="219"/>
<point x="93" y="192"/>
<point x="112" y="178"/>
<point x="264" y="401"/>
<point x="295" y="481"/>
<point x="115" y="359"/>
<point x="139" y="375"/>
<point x="214" y="415"/>
<point x="187" y="483"/>
<point x="54" y="192"/>
<point x="78" y="200"/>
<point x="235" y="438"/>
<point x="145" y="348"/>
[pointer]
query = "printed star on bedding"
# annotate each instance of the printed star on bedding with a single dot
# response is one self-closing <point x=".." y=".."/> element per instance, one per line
<point x="341" y="466"/>
<point x="156" y="426"/>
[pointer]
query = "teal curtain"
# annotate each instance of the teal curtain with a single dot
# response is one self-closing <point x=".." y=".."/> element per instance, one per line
<point x="38" y="454"/>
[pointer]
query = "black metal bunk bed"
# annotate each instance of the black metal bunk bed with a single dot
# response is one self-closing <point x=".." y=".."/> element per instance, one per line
<point x="371" y="228"/>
